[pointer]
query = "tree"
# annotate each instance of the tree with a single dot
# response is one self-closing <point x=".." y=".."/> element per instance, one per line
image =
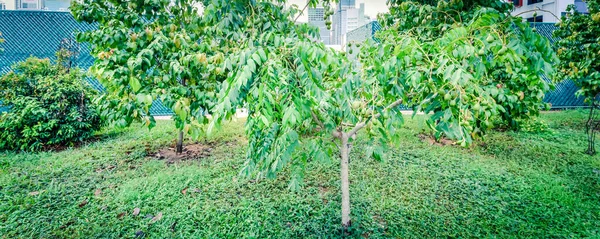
<point x="301" y="94"/>
<point x="308" y="102"/>
<point x="579" y="52"/>
<point x="466" y="66"/>
<point x="153" y="50"/>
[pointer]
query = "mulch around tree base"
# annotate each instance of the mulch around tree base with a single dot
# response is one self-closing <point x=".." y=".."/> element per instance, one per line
<point x="190" y="152"/>
<point x="432" y="141"/>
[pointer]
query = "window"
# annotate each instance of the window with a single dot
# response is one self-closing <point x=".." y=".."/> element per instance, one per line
<point x="29" y="5"/>
<point x="529" y="2"/>
<point x="517" y="3"/>
<point x="2" y="6"/>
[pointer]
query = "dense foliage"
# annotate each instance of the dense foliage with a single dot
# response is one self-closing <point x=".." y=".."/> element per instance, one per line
<point x="153" y="50"/>
<point x="464" y="64"/>
<point x="579" y="52"/>
<point x="306" y="101"/>
<point x="48" y="105"/>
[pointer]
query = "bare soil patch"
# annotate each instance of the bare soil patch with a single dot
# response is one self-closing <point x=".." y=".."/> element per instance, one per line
<point x="430" y="139"/>
<point x="194" y="151"/>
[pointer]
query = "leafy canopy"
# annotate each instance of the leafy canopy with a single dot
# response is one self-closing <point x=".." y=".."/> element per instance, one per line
<point x="465" y="65"/>
<point x="579" y="49"/>
<point x="153" y="50"/>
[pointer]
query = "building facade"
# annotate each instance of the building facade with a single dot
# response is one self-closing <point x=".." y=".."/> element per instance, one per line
<point x="347" y="18"/>
<point x="35" y="5"/>
<point x="553" y="10"/>
<point x="316" y="17"/>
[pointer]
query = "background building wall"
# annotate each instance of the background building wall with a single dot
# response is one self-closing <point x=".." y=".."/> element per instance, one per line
<point x="56" y="5"/>
<point x="316" y="18"/>
<point x="47" y="5"/>
<point x="347" y="18"/>
<point x="8" y="4"/>
<point x="555" y="8"/>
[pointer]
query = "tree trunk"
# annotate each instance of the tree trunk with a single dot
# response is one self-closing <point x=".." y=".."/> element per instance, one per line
<point x="180" y="142"/>
<point x="590" y="131"/>
<point x="344" y="176"/>
<point x="180" y="138"/>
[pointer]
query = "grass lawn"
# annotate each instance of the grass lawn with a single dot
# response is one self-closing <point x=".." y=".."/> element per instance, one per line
<point x="511" y="185"/>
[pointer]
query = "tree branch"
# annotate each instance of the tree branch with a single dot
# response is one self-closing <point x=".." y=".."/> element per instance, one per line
<point x="541" y="10"/>
<point x="361" y="125"/>
<point x="317" y="120"/>
<point x="302" y="12"/>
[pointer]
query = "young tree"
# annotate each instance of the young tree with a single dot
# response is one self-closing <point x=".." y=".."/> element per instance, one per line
<point x="153" y="50"/>
<point x="579" y="52"/>
<point x="301" y="94"/>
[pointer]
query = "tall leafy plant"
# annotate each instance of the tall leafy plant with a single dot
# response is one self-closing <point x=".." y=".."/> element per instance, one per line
<point x="153" y="50"/>
<point x="579" y="52"/>
<point x="301" y="94"/>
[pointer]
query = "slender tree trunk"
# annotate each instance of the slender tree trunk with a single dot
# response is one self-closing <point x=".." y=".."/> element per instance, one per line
<point x="590" y="131"/>
<point x="344" y="176"/>
<point x="180" y="142"/>
<point x="180" y="138"/>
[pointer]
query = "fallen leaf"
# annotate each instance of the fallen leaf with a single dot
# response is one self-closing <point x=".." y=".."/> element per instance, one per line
<point x="98" y="192"/>
<point x="121" y="215"/>
<point x="157" y="217"/>
<point x="197" y="190"/>
<point x="136" y="211"/>
<point x="184" y="191"/>
<point x="34" y="193"/>
<point x="83" y="203"/>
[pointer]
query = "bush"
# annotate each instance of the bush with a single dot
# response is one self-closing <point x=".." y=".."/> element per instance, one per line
<point x="48" y="105"/>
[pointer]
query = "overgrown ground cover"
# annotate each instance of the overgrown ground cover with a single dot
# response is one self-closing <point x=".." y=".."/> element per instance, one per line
<point x="512" y="185"/>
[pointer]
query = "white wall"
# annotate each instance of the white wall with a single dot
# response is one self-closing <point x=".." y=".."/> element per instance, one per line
<point x="556" y="7"/>
<point x="10" y="4"/>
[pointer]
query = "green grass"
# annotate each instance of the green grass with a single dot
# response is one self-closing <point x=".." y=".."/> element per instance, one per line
<point x="511" y="185"/>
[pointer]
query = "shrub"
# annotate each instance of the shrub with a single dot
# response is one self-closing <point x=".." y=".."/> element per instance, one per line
<point x="48" y="105"/>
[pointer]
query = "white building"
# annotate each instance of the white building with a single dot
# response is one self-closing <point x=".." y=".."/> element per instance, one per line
<point x="7" y="5"/>
<point x="552" y="9"/>
<point x="347" y="18"/>
<point x="316" y="17"/>
<point x="46" y="5"/>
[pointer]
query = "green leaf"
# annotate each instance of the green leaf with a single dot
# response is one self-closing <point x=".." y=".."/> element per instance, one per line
<point x="378" y="153"/>
<point x="135" y="84"/>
